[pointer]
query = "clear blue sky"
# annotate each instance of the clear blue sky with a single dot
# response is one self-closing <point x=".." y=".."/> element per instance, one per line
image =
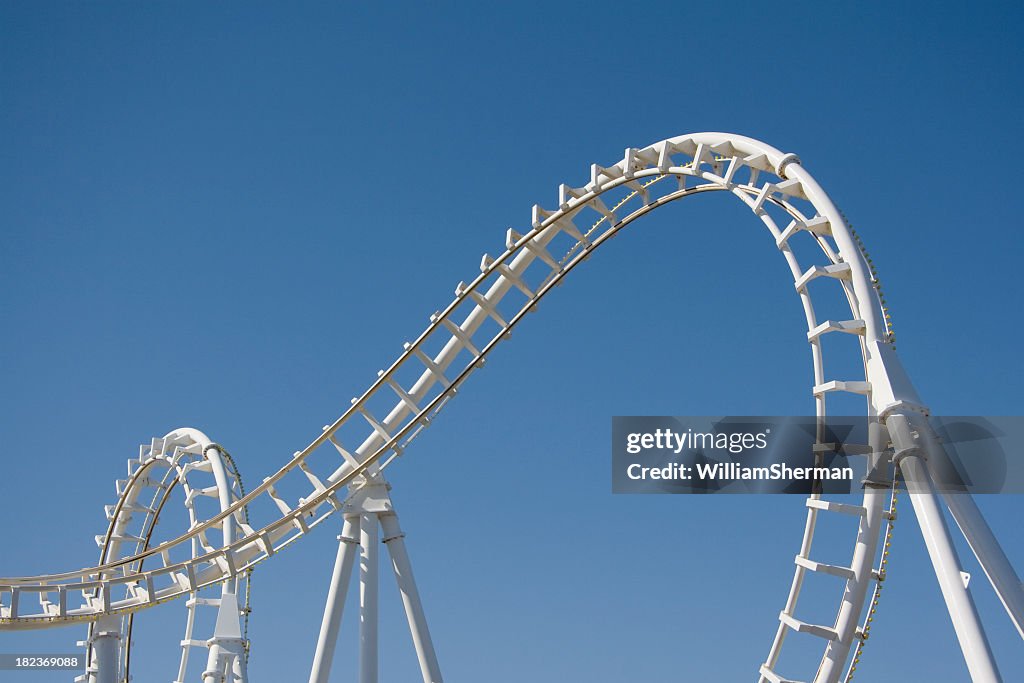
<point x="230" y="215"/>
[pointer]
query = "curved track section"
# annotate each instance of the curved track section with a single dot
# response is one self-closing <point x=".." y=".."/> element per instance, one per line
<point x="184" y="461"/>
<point x="429" y="372"/>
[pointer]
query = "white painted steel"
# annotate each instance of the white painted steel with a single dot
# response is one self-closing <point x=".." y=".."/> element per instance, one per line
<point x="394" y="541"/>
<point x="990" y="555"/>
<point x="369" y="598"/>
<point x="772" y="184"/>
<point x="369" y="510"/>
<point x="183" y="455"/>
<point x="348" y="547"/>
<point x="226" y="661"/>
<point x="294" y="520"/>
<point x="911" y="458"/>
<point x="106" y="645"/>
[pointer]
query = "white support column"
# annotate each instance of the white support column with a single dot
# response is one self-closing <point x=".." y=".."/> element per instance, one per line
<point x="227" y="648"/>
<point x="980" y="538"/>
<point x="394" y="540"/>
<point x="910" y="458"/>
<point x="214" y="671"/>
<point x="369" y="575"/>
<point x="106" y="649"/>
<point x="990" y="555"/>
<point x="368" y="511"/>
<point x="348" y="544"/>
<point x="240" y="669"/>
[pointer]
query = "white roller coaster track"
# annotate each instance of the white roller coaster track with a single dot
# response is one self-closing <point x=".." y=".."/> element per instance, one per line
<point x="404" y="398"/>
<point x="194" y="466"/>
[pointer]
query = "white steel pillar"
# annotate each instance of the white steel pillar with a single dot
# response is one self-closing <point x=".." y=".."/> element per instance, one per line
<point x="348" y="544"/>
<point x="214" y="672"/>
<point x="910" y="456"/>
<point x="980" y="538"/>
<point x="106" y="649"/>
<point x="369" y="576"/>
<point x="990" y="555"/>
<point x="394" y="540"/>
<point x="240" y="669"/>
<point x="227" y="648"/>
<point x="368" y="512"/>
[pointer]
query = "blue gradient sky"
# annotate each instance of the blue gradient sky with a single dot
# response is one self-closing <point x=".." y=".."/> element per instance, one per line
<point x="230" y="216"/>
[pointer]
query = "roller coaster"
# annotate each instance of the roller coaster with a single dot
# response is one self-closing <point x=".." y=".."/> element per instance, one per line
<point x="340" y="473"/>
